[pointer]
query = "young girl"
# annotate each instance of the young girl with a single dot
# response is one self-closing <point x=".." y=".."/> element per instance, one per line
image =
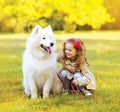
<point x="75" y="67"/>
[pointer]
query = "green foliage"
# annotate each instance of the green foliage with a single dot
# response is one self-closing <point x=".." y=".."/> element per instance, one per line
<point x="69" y="27"/>
<point x="103" y="57"/>
<point x="22" y="15"/>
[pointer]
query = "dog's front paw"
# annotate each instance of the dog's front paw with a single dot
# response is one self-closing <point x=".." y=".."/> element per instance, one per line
<point x="34" y="95"/>
<point x="45" y="95"/>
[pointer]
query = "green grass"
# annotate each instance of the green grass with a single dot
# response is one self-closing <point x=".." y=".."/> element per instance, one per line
<point x="103" y="52"/>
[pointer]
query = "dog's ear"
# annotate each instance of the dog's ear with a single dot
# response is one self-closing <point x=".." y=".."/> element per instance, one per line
<point x="36" y="29"/>
<point x="48" y="28"/>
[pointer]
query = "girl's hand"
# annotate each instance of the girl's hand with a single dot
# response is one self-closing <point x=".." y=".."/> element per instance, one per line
<point x="75" y="82"/>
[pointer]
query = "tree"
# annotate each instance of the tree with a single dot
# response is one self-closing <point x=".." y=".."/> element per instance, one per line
<point x="21" y="15"/>
<point x="84" y="12"/>
<point x="113" y="9"/>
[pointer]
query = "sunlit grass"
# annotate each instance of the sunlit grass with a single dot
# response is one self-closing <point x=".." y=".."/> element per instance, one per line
<point x="103" y="52"/>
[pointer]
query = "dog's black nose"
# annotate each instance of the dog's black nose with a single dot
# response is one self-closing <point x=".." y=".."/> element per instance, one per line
<point x="51" y="44"/>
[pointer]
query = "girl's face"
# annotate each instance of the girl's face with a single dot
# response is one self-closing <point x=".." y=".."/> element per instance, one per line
<point x="70" y="51"/>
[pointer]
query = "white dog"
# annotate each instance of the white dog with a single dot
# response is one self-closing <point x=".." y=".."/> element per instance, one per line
<point x="40" y="64"/>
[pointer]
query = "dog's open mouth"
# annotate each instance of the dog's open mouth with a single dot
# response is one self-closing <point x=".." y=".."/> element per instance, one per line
<point x="47" y="49"/>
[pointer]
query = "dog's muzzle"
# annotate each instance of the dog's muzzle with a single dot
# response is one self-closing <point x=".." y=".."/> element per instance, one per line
<point x="47" y="49"/>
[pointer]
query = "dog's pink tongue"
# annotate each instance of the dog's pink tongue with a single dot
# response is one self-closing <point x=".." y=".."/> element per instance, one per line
<point x="49" y="50"/>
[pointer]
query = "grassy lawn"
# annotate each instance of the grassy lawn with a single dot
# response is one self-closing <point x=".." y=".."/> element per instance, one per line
<point x="103" y="52"/>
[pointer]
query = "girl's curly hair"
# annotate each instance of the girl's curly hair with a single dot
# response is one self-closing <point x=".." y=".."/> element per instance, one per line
<point x="80" y="58"/>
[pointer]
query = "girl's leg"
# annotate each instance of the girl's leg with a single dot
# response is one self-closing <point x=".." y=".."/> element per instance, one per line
<point x="82" y="88"/>
<point x="76" y="76"/>
<point x="66" y="81"/>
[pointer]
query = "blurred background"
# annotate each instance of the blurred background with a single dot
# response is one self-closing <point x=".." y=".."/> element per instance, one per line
<point x="68" y="15"/>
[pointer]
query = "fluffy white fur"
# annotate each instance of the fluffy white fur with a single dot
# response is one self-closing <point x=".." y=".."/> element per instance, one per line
<point x="39" y="63"/>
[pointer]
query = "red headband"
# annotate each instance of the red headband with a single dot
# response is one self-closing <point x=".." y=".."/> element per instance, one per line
<point x="76" y="43"/>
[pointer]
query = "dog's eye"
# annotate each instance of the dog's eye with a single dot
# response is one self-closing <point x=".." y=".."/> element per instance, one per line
<point x="43" y="37"/>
